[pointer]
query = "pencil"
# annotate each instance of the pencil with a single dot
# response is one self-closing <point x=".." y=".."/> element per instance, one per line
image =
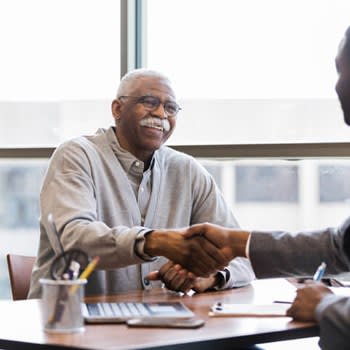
<point x="86" y="273"/>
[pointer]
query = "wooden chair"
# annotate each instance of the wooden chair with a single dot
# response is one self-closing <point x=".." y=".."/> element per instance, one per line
<point x="20" y="271"/>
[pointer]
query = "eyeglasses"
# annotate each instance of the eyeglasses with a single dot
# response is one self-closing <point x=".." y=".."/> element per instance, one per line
<point x="151" y="103"/>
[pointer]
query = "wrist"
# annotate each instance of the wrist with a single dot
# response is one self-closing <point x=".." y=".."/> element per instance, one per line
<point x="219" y="281"/>
<point x="152" y="243"/>
<point x="239" y="241"/>
<point x="139" y="246"/>
<point x="208" y="283"/>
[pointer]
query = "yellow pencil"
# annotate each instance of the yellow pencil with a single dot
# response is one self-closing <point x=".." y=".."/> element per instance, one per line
<point x="86" y="273"/>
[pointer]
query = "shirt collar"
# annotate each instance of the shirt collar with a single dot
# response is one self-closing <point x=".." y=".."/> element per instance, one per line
<point x="128" y="161"/>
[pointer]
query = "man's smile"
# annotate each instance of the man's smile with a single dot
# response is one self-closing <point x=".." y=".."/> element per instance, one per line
<point x="156" y="123"/>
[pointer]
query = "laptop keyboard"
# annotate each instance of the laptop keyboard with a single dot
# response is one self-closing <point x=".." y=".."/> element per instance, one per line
<point x="118" y="310"/>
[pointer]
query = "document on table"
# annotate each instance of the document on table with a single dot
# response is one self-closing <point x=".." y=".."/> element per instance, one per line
<point x="248" y="310"/>
<point x="277" y="291"/>
<point x="274" y="298"/>
<point x="342" y="291"/>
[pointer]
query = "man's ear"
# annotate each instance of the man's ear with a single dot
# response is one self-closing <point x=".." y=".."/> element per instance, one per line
<point x="116" y="106"/>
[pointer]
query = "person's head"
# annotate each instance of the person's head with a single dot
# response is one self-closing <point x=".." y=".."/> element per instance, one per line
<point x="144" y="111"/>
<point x="343" y="67"/>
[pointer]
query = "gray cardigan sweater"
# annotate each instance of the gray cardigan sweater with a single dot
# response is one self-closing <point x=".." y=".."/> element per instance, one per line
<point x="95" y="209"/>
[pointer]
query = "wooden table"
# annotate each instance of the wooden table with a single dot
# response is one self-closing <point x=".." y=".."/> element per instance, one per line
<point x="20" y="325"/>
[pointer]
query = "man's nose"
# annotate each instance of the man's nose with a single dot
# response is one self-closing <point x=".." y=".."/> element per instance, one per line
<point x="160" y="112"/>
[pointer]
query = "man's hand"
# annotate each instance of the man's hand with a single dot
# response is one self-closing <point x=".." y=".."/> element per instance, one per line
<point x="231" y="242"/>
<point x="179" y="279"/>
<point x="197" y="254"/>
<point x="306" y="301"/>
<point x="174" y="277"/>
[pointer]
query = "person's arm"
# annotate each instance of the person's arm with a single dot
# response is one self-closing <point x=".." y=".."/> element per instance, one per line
<point x="333" y="316"/>
<point x="277" y="254"/>
<point x="316" y="302"/>
<point x="70" y="194"/>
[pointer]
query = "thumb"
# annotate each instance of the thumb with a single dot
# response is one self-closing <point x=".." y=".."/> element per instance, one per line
<point x="153" y="276"/>
<point x="194" y="230"/>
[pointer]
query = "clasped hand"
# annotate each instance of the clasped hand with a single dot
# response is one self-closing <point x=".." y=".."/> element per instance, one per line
<point x="194" y="252"/>
<point x="176" y="278"/>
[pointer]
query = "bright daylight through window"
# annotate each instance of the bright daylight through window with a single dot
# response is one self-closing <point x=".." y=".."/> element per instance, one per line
<point x="250" y="71"/>
<point x="60" y="67"/>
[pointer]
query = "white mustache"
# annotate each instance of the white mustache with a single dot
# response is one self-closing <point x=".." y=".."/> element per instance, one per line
<point x="157" y="123"/>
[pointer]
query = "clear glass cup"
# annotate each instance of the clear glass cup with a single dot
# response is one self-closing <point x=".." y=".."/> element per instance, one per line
<point x="61" y="305"/>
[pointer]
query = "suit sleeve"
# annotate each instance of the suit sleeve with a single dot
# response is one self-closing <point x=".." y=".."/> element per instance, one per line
<point x="277" y="254"/>
<point x="333" y="315"/>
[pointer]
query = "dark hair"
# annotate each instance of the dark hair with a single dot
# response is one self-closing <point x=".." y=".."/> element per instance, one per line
<point x="346" y="44"/>
<point x="347" y="33"/>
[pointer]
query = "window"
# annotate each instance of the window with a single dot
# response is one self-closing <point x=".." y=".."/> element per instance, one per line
<point x="267" y="183"/>
<point x="20" y="182"/>
<point x="272" y="194"/>
<point x="333" y="185"/>
<point x="19" y="188"/>
<point x="60" y="68"/>
<point x="250" y="71"/>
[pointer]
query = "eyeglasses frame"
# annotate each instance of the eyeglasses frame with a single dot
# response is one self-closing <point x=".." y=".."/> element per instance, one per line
<point x="140" y="98"/>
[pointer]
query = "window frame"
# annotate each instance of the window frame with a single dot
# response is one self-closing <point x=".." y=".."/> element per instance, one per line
<point x="276" y="150"/>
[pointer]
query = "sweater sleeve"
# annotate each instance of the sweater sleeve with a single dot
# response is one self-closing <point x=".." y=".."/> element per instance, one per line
<point x="69" y="193"/>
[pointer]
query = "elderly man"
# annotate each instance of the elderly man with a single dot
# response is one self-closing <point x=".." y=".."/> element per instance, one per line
<point x="275" y="254"/>
<point x="115" y="194"/>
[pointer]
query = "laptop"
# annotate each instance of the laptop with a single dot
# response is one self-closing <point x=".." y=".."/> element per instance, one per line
<point x="119" y="312"/>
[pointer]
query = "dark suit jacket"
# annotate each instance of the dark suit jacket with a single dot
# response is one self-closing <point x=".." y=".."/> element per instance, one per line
<point x="276" y="254"/>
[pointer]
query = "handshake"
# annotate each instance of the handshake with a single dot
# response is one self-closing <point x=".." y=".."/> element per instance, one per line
<point x="198" y="251"/>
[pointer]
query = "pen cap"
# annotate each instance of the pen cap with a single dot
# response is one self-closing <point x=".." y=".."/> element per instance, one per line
<point x="73" y="271"/>
<point x="320" y="272"/>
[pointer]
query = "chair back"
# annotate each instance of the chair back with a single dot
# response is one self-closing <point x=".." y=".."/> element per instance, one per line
<point x="20" y="271"/>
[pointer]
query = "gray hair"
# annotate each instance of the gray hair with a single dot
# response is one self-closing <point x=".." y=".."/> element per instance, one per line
<point x="129" y="78"/>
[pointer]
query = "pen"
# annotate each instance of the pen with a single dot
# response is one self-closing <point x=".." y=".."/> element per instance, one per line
<point x="65" y="274"/>
<point x="55" y="233"/>
<point x="320" y="272"/>
<point x="61" y="300"/>
<point x="86" y="273"/>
